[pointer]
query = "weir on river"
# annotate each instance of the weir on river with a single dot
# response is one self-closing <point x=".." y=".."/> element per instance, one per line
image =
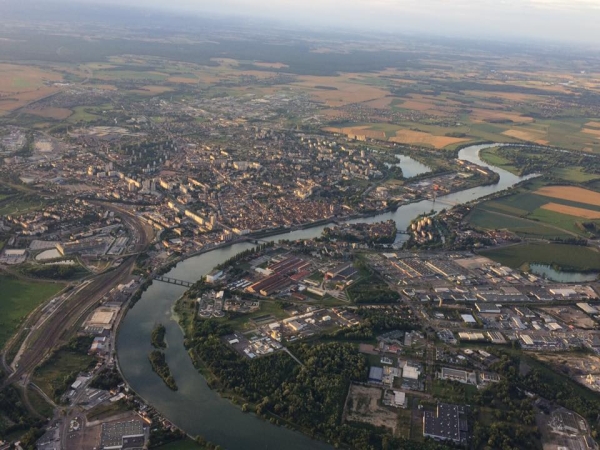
<point x="195" y="407"/>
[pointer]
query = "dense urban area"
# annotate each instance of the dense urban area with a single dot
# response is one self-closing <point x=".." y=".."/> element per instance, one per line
<point x="378" y="249"/>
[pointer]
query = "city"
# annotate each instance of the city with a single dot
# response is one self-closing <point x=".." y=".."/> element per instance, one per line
<point x="220" y="233"/>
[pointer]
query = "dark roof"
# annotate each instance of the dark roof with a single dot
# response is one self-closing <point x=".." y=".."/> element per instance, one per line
<point x="444" y="423"/>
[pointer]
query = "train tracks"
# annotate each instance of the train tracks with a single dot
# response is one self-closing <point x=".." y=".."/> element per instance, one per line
<point x="53" y="330"/>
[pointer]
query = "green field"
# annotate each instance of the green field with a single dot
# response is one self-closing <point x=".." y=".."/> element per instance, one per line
<point x="18" y="299"/>
<point x="574" y="174"/>
<point x="482" y="218"/>
<point x="56" y="375"/>
<point x="19" y="205"/>
<point x="566" y="257"/>
<point x="490" y="156"/>
<point x="522" y="214"/>
<point x="131" y="75"/>
<point x="39" y="404"/>
<point x="81" y="114"/>
<point x="241" y="321"/>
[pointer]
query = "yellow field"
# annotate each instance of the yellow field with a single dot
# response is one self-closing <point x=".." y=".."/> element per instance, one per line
<point x="527" y="135"/>
<point x="572" y="193"/>
<point x="346" y="91"/>
<point x="483" y="115"/>
<point x="593" y="124"/>
<point x="18" y="100"/>
<point x="358" y="131"/>
<point x="380" y="103"/>
<point x="421" y="138"/>
<point x="53" y="113"/>
<point x="591" y="131"/>
<point x="21" y="85"/>
<point x="572" y="211"/>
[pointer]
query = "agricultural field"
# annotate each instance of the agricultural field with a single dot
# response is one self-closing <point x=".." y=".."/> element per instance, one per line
<point x="23" y="84"/>
<point x="571" y="193"/>
<point x="18" y="299"/>
<point x="565" y="257"/>
<point x="544" y="212"/>
<point x="422" y="106"/>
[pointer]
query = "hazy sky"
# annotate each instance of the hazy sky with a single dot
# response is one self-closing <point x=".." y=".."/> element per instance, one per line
<point x="571" y="20"/>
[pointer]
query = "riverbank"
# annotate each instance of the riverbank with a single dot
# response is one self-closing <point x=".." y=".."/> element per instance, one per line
<point x="195" y="407"/>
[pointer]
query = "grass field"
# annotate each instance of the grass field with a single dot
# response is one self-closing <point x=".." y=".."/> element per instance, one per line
<point x="574" y="174"/>
<point x="20" y="204"/>
<point x="540" y="211"/>
<point x="18" y="299"/>
<point x="487" y="219"/>
<point x="490" y="156"/>
<point x="81" y="114"/>
<point x="39" y="404"/>
<point x="566" y="257"/>
<point x="241" y="321"/>
<point x="51" y="376"/>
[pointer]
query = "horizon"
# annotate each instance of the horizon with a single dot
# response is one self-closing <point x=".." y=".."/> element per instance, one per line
<point x="535" y="21"/>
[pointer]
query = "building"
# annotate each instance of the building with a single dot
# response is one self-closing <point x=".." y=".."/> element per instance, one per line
<point x="496" y="337"/>
<point x="399" y="400"/>
<point x="447" y="423"/>
<point x="462" y="376"/>
<point x="214" y="276"/>
<point x="488" y="377"/>
<point x="468" y="318"/>
<point x="411" y="372"/>
<point x="488" y="309"/>
<point x="588" y="309"/>
<point x="376" y="374"/>
<point x="121" y="435"/>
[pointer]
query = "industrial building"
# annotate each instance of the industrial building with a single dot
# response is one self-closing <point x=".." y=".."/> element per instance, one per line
<point x="462" y="376"/>
<point x="376" y="374"/>
<point x="123" y="435"/>
<point x="447" y="423"/>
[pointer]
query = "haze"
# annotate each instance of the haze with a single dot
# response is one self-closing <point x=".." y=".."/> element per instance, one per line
<point x="553" y="20"/>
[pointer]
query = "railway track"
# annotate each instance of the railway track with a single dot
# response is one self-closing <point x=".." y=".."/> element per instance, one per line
<point x="51" y="332"/>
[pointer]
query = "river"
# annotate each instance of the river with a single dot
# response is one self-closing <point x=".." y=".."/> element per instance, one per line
<point x="195" y="407"/>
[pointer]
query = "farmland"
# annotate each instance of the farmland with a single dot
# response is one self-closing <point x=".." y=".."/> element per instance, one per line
<point x="438" y="97"/>
<point x="565" y="257"/>
<point x="571" y="193"/>
<point x="540" y="211"/>
<point x="18" y="299"/>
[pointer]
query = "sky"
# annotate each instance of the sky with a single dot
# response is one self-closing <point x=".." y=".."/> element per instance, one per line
<point x="556" y="20"/>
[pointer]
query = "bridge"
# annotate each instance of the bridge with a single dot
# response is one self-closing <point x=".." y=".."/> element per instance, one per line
<point x="173" y="281"/>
